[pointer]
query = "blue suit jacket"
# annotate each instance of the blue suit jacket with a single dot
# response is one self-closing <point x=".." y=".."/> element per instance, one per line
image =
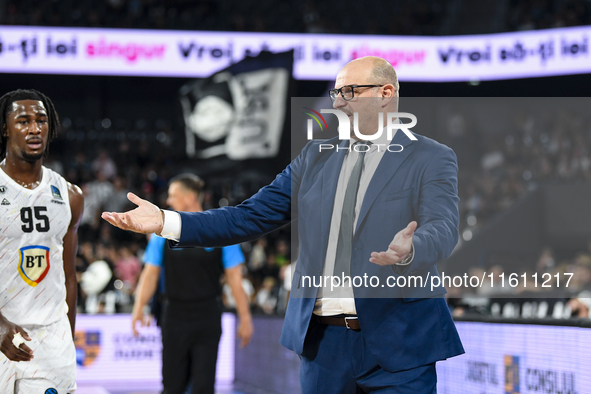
<point x="405" y="327"/>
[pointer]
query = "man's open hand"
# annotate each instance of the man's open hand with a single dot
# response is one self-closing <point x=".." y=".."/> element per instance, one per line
<point x="147" y="218"/>
<point x="399" y="248"/>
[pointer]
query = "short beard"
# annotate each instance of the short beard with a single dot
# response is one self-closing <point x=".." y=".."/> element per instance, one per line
<point x="32" y="157"/>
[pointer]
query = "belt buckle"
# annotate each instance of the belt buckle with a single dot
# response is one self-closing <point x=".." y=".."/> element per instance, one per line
<point x="347" y="322"/>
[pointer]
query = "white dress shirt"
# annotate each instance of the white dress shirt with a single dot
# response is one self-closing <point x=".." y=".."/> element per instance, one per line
<point x="345" y="302"/>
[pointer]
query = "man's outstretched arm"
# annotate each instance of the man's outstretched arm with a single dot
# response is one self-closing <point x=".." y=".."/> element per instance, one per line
<point x="264" y="212"/>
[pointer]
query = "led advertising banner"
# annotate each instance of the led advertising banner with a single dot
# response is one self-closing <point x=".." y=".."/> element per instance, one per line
<point x="108" y="355"/>
<point x="518" y="359"/>
<point x="165" y="53"/>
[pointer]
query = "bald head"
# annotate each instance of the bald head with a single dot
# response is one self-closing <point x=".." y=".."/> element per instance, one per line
<point x="375" y="93"/>
<point x="372" y="70"/>
<point x="383" y="73"/>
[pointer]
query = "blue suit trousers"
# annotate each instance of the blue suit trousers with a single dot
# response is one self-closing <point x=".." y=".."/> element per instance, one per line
<point x="337" y="360"/>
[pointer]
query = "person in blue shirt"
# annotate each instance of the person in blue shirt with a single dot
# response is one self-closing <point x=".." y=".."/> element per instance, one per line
<point x="191" y="307"/>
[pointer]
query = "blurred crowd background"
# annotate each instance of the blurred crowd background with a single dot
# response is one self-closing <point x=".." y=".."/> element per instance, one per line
<point x="405" y="17"/>
<point x="495" y="172"/>
<point x="109" y="156"/>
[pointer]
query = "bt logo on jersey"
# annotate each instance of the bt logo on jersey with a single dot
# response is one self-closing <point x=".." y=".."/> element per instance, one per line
<point x="33" y="264"/>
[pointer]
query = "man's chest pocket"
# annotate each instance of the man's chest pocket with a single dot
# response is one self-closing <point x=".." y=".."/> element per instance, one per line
<point x="398" y="195"/>
<point x="399" y="205"/>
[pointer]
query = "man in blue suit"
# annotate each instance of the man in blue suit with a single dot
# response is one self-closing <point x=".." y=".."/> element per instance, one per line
<point x="350" y="203"/>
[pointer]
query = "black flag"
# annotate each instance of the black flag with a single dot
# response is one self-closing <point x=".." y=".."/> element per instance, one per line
<point x="237" y="118"/>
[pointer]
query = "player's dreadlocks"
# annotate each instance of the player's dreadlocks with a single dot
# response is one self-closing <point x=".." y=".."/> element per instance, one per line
<point x="27" y="94"/>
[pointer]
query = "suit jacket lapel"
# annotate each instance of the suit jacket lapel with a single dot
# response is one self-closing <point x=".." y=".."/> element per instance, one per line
<point x="390" y="163"/>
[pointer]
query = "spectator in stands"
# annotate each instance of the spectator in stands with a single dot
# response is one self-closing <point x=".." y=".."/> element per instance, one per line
<point x="118" y="198"/>
<point x="266" y="298"/>
<point x="580" y="305"/>
<point x="104" y="166"/>
<point x="256" y="263"/>
<point x="270" y="269"/>
<point x="546" y="262"/>
<point x="282" y="253"/>
<point x="258" y="255"/>
<point x="127" y="268"/>
<point x="96" y="194"/>
<point x="581" y="279"/>
<point x="97" y="282"/>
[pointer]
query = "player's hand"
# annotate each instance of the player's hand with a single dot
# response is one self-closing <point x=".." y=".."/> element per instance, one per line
<point x="399" y="248"/>
<point x="245" y="331"/>
<point x="147" y="218"/>
<point x="7" y="332"/>
<point x="143" y="319"/>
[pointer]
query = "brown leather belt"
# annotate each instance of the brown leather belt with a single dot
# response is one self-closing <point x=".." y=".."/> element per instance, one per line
<point x="351" y="323"/>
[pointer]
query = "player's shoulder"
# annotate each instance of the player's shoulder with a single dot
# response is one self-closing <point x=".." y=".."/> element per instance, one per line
<point x="52" y="173"/>
<point x="76" y="201"/>
<point x="75" y="194"/>
<point x="74" y="191"/>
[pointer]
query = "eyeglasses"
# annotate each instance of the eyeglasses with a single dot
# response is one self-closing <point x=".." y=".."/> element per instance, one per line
<point x="347" y="92"/>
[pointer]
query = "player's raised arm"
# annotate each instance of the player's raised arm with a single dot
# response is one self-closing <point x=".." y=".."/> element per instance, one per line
<point x="147" y="218"/>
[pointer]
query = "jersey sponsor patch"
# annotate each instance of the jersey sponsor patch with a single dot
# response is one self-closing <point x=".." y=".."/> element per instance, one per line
<point x="56" y="193"/>
<point x="33" y="264"/>
<point x="5" y="202"/>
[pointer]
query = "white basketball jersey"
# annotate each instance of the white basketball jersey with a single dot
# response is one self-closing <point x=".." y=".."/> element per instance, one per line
<point x="33" y="224"/>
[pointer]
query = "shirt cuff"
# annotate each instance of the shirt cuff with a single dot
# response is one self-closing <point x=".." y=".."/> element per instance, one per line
<point x="172" y="226"/>
<point x="412" y="256"/>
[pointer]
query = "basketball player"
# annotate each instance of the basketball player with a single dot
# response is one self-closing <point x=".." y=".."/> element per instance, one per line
<point x="39" y="216"/>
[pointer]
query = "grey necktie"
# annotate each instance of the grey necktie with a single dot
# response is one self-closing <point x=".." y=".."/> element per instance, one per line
<point x="342" y="264"/>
